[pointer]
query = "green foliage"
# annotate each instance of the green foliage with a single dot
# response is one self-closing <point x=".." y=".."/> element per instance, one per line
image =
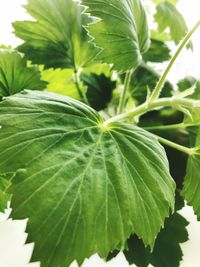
<point x="83" y="160"/>
<point x="56" y="37"/>
<point x="99" y="89"/>
<point x="160" y="1"/>
<point x="158" y="52"/>
<point x="168" y="16"/>
<point x="192" y="180"/>
<point x="60" y="81"/>
<point x="15" y="76"/>
<point x="119" y="44"/>
<point x="144" y="79"/>
<point x="186" y="83"/>
<point x="167" y="251"/>
<point x="189" y="82"/>
<point x="5" y="182"/>
<point x="98" y="85"/>
<point x="50" y="181"/>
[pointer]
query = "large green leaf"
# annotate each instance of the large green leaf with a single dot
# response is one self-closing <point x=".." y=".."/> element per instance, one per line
<point x="84" y="187"/>
<point x="56" y="38"/>
<point x="191" y="188"/>
<point x="121" y="32"/>
<point x="15" y="76"/>
<point x="167" y="16"/>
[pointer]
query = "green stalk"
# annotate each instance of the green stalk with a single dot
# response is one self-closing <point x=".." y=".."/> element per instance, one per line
<point x="186" y="150"/>
<point x="159" y="86"/>
<point x="166" y="127"/>
<point x="147" y="106"/>
<point x="79" y="89"/>
<point x="125" y="91"/>
<point x="177" y="126"/>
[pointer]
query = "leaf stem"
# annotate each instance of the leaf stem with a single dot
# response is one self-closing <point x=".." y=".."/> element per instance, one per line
<point x="177" y="126"/>
<point x="156" y="92"/>
<point x="147" y="106"/>
<point x="186" y="150"/>
<point x="79" y="89"/>
<point x="125" y="91"/>
<point x="166" y="127"/>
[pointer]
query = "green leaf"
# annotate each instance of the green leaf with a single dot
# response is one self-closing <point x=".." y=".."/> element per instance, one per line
<point x="15" y="76"/>
<point x="56" y="37"/>
<point x="161" y="1"/>
<point x="167" y="251"/>
<point x="121" y="45"/>
<point x="98" y="86"/>
<point x="191" y="188"/>
<point x="98" y="69"/>
<point x="158" y="52"/>
<point x="99" y="89"/>
<point x="61" y="81"/>
<point x="79" y="180"/>
<point x="4" y="196"/>
<point x="187" y="83"/>
<point x="145" y="78"/>
<point x="167" y="16"/>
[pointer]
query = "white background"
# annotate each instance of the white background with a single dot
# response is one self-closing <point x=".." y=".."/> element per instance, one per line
<point x="13" y="252"/>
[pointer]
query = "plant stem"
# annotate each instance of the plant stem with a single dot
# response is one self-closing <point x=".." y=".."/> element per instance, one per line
<point x="181" y="125"/>
<point x="166" y="127"/>
<point x="159" y="86"/>
<point x="79" y="89"/>
<point x="147" y="106"/>
<point x="125" y="91"/>
<point x="186" y="150"/>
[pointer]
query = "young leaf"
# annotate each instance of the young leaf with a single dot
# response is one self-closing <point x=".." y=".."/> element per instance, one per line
<point x="168" y="16"/>
<point x="191" y="188"/>
<point x="84" y="187"/>
<point x="121" y="46"/>
<point x="15" y="76"/>
<point x="57" y="37"/>
<point x="99" y="89"/>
